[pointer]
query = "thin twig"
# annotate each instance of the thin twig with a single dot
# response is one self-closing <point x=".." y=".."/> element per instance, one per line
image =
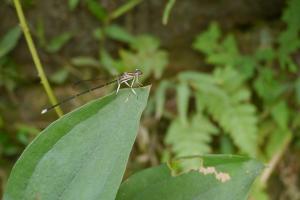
<point x="35" y="57"/>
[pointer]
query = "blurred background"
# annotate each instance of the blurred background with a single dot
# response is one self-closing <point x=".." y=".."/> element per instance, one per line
<point x="225" y="77"/>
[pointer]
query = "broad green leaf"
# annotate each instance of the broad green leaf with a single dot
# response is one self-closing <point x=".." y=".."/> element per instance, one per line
<point x="58" y="42"/>
<point x="118" y="33"/>
<point x="157" y="183"/>
<point x="82" y="155"/>
<point x="9" y="40"/>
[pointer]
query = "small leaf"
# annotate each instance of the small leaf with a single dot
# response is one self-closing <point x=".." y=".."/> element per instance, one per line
<point x="9" y="41"/>
<point x="207" y="41"/>
<point x="58" y="42"/>
<point x="60" y="76"/>
<point x="146" y="56"/>
<point x="108" y="62"/>
<point x="98" y="34"/>
<point x="83" y="154"/>
<point x="85" y="61"/>
<point x="118" y="33"/>
<point x="280" y="113"/>
<point x="280" y="138"/>
<point x="73" y="4"/>
<point x="183" y="95"/>
<point x="145" y="43"/>
<point x="157" y="183"/>
<point x="97" y="9"/>
<point x="160" y="97"/>
<point x="167" y="11"/>
<point x="130" y="4"/>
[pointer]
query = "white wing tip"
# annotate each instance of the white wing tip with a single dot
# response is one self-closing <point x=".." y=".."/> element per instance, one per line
<point x="44" y="111"/>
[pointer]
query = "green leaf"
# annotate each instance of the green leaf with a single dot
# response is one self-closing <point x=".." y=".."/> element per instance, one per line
<point x="82" y="155"/>
<point x="280" y="113"/>
<point x="60" y="76"/>
<point x="58" y="42"/>
<point x="167" y="11"/>
<point x="191" y="138"/>
<point x="280" y="138"/>
<point x="9" y="41"/>
<point x="160" y="97"/>
<point x="157" y="183"/>
<point x="73" y="4"/>
<point x="207" y="42"/>
<point x="267" y="85"/>
<point x="108" y="62"/>
<point x="85" y="61"/>
<point x="118" y="33"/>
<point x="146" y="56"/>
<point x="97" y="9"/>
<point x="145" y="43"/>
<point x="130" y="4"/>
<point x="225" y="54"/>
<point x="183" y="96"/>
<point x="227" y="101"/>
<point x="297" y="89"/>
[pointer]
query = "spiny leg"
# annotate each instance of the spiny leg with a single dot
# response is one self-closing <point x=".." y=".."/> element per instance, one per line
<point x="133" y="80"/>
<point x="130" y="87"/>
<point x="119" y="85"/>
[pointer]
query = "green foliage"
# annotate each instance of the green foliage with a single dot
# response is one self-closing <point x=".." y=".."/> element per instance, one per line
<point x="223" y="52"/>
<point x="9" y="40"/>
<point x="73" y="4"/>
<point x="145" y="55"/>
<point x="9" y="73"/>
<point x="190" y="138"/>
<point x="58" y="42"/>
<point x="59" y="77"/>
<point x="130" y="4"/>
<point x="96" y="9"/>
<point x="167" y="11"/>
<point x="157" y="183"/>
<point x="244" y="96"/>
<point x="289" y="40"/>
<point x="116" y="32"/>
<point x="225" y="99"/>
<point x="85" y="149"/>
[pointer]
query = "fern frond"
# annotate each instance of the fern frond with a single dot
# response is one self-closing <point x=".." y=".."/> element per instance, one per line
<point x="191" y="138"/>
<point x="228" y="103"/>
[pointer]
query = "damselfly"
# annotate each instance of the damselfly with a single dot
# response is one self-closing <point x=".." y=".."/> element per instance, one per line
<point x="123" y="78"/>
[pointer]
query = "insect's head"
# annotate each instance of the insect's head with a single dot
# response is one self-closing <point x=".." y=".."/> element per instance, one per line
<point x="138" y="72"/>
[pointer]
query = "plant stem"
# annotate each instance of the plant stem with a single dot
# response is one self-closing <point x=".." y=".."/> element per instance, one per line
<point x="35" y="56"/>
